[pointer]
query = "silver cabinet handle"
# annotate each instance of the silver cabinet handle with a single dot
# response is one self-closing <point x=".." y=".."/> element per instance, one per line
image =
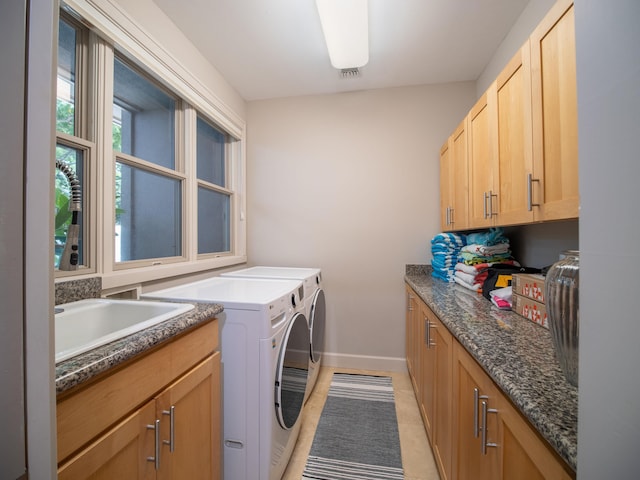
<point x="172" y="431"/>
<point x="486" y="410"/>
<point x="446" y="217"/>
<point x="427" y="339"/>
<point x="484" y="205"/>
<point x="155" y="459"/>
<point x="476" y="400"/>
<point x="431" y="325"/>
<point x="530" y="181"/>
<point x="409" y="305"/>
<point x="490" y="196"/>
<point x="451" y="217"/>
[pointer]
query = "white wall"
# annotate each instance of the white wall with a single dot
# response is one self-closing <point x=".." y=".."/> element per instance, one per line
<point x="350" y="183"/>
<point x="608" y="63"/>
<point x="154" y="22"/>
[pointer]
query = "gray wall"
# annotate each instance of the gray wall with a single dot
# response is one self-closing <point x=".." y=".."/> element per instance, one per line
<point x="38" y="261"/>
<point x="608" y="62"/>
<point x="12" y="38"/>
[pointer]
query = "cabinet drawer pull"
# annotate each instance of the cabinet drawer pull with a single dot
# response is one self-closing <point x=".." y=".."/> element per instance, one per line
<point x="172" y="432"/>
<point x="155" y="459"/>
<point x="431" y="343"/>
<point x="530" y="181"/>
<point x="476" y="400"/>
<point x="427" y="335"/>
<point x="484" y="205"/>
<point x="491" y="195"/>
<point x="484" y="428"/>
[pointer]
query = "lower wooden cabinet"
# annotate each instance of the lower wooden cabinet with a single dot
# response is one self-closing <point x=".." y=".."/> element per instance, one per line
<point x="431" y="348"/>
<point x="441" y="344"/>
<point x="474" y="429"/>
<point x="174" y="434"/>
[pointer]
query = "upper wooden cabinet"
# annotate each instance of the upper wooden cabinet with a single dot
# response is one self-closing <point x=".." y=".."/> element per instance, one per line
<point x="481" y="124"/>
<point x="521" y="137"/>
<point x="446" y="192"/>
<point x="555" y="115"/>
<point x="454" y="181"/>
<point x="513" y="166"/>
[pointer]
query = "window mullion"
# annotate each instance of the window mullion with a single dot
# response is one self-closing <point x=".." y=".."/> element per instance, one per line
<point x="191" y="184"/>
<point x="103" y="85"/>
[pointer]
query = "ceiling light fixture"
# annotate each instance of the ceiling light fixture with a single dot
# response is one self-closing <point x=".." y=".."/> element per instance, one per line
<point x="345" y="24"/>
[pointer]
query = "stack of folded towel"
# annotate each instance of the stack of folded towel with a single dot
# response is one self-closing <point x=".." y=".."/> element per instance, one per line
<point x="482" y="250"/>
<point x="445" y="248"/>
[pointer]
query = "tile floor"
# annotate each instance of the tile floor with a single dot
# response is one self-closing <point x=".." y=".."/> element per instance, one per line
<point x="417" y="459"/>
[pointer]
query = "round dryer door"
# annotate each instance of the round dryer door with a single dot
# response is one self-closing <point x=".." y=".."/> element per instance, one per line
<point x="316" y="325"/>
<point x="292" y="372"/>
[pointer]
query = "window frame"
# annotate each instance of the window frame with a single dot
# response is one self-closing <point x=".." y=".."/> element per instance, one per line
<point x="177" y="173"/>
<point x="225" y="190"/>
<point x="114" y="33"/>
<point x="80" y="141"/>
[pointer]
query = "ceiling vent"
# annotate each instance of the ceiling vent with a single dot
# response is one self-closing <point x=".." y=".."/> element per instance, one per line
<point x="350" y="73"/>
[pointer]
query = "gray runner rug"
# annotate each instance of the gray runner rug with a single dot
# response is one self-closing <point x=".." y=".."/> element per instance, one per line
<point x="357" y="435"/>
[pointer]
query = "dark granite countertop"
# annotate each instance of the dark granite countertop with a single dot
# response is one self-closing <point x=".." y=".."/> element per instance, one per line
<point x="81" y="368"/>
<point x="515" y="352"/>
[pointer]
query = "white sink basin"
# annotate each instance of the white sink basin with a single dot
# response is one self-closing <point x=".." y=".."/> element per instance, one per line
<point x="87" y="324"/>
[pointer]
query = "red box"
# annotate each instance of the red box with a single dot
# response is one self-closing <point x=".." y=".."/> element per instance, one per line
<point x="529" y="285"/>
<point x="530" y="309"/>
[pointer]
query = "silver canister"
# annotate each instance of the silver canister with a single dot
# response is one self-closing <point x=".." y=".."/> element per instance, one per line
<point x="561" y="300"/>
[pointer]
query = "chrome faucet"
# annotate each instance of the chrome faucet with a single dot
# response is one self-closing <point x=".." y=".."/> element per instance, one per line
<point x="70" y="256"/>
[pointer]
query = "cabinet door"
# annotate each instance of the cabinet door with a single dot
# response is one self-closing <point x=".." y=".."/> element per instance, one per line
<point x="122" y="452"/>
<point x="417" y="349"/>
<point x="442" y="342"/>
<point x="514" y="181"/>
<point x="524" y="454"/>
<point x="446" y="193"/>
<point x="459" y="178"/>
<point x="429" y="380"/>
<point x="412" y="308"/>
<point x="190" y="414"/>
<point x="555" y="115"/>
<point x="472" y="389"/>
<point x="482" y="122"/>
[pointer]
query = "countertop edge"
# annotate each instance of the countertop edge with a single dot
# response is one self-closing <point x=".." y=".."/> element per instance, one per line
<point x="80" y="369"/>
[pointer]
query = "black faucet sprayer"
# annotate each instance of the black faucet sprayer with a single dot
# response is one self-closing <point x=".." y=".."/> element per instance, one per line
<point x="70" y="256"/>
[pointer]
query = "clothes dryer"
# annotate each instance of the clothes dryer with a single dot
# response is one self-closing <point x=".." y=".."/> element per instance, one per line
<point x="315" y="307"/>
<point x="264" y="376"/>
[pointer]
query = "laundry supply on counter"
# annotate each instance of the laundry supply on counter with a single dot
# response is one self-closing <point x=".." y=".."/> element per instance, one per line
<point x="445" y="248"/>
<point x="502" y="297"/>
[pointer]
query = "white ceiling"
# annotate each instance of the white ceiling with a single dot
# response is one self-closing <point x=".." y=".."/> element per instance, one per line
<point x="275" y="48"/>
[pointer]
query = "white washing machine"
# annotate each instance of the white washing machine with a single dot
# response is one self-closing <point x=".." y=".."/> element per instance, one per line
<point x="264" y="376"/>
<point x="315" y="308"/>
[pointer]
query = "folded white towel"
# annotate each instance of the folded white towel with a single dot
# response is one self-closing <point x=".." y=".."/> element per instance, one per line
<point x="476" y="287"/>
<point x="466" y="277"/>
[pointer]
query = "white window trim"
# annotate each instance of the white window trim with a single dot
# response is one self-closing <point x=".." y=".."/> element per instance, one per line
<point x="115" y="26"/>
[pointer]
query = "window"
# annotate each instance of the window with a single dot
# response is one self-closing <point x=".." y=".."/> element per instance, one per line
<point x="158" y="155"/>
<point x="148" y="198"/>
<point x="73" y="152"/>
<point x="214" y="199"/>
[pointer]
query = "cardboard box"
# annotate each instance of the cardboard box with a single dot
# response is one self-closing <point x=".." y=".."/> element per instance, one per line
<point x="529" y="285"/>
<point x="530" y="309"/>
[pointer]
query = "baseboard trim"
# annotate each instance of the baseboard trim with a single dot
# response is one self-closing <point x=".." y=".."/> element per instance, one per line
<point x="364" y="362"/>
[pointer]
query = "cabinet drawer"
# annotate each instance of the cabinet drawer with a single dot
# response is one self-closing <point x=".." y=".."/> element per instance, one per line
<point x="126" y="388"/>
